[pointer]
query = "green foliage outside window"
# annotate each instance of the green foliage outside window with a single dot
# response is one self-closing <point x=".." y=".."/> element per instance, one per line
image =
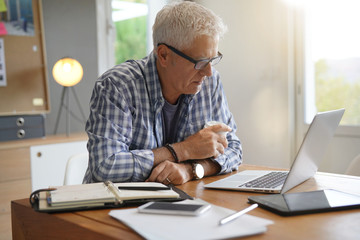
<point x="130" y="39"/>
<point x="335" y="92"/>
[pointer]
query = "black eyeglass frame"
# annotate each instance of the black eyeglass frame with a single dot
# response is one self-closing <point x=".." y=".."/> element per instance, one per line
<point x="204" y="62"/>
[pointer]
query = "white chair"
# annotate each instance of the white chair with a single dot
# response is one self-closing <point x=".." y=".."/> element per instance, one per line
<point x="75" y="168"/>
<point x="354" y="167"/>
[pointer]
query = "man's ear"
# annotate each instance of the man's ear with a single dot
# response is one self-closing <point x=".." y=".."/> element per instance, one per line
<point x="163" y="55"/>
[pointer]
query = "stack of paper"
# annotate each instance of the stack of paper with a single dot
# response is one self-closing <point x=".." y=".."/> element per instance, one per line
<point x="205" y="226"/>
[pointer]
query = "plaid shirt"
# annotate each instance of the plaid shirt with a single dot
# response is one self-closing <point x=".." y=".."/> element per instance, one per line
<point x="125" y="121"/>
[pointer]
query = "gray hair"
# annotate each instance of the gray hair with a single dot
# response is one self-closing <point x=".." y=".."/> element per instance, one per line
<point x="179" y="24"/>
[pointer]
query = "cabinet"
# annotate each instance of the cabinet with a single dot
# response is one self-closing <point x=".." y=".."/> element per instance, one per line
<point x="15" y="172"/>
<point x="48" y="162"/>
<point x="21" y="127"/>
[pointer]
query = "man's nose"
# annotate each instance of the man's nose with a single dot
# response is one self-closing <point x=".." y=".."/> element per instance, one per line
<point x="207" y="71"/>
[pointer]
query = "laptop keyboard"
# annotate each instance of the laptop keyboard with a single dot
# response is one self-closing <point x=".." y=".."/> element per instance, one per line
<point x="270" y="180"/>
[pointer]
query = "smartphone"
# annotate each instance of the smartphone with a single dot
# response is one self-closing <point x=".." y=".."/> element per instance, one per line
<point x="174" y="208"/>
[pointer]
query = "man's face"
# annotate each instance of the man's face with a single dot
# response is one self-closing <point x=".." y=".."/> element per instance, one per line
<point x="185" y="79"/>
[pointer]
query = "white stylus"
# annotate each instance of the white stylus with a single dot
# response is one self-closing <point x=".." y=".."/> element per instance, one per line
<point x="237" y="214"/>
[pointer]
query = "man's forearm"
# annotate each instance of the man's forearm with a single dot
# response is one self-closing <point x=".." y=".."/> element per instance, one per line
<point x="162" y="154"/>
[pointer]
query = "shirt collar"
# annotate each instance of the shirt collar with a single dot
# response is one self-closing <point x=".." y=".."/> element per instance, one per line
<point x="152" y="80"/>
<point x="153" y="83"/>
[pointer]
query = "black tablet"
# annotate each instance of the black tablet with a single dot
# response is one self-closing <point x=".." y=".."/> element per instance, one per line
<point x="289" y="204"/>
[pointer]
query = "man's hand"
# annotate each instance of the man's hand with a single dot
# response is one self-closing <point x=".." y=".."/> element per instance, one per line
<point x="169" y="172"/>
<point x="204" y="144"/>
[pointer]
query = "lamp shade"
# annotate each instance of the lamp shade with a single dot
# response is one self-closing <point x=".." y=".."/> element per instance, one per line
<point x="67" y="72"/>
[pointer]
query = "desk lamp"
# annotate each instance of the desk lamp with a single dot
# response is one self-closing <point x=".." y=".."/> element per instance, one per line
<point x="67" y="72"/>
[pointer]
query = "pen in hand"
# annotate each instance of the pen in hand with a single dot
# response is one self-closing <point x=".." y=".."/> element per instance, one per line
<point x="237" y="214"/>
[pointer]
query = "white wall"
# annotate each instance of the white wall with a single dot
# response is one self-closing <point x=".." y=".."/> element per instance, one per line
<point x="254" y="71"/>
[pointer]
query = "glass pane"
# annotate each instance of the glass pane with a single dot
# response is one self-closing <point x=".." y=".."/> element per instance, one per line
<point x="130" y="20"/>
<point x="333" y="54"/>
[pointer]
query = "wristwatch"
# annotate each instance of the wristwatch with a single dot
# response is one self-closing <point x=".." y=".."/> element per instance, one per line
<point x="198" y="170"/>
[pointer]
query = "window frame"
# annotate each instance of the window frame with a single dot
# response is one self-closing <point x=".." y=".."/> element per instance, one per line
<point x="105" y="35"/>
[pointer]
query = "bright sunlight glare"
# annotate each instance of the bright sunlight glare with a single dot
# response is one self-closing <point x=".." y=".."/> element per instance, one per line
<point x="335" y="31"/>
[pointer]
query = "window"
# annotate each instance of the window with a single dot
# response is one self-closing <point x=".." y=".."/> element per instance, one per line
<point x="130" y="21"/>
<point x="110" y="14"/>
<point x="332" y="58"/>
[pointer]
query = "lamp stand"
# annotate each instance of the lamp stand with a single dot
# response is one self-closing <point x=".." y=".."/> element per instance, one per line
<point x="66" y="105"/>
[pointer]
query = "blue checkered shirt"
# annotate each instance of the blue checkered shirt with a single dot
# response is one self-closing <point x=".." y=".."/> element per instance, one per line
<point x="125" y="121"/>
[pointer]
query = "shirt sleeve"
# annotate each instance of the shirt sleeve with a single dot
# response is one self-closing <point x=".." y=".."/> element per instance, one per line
<point x="232" y="158"/>
<point x="109" y="128"/>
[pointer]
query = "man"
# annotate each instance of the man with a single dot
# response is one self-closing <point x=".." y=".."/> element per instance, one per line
<point x="147" y="117"/>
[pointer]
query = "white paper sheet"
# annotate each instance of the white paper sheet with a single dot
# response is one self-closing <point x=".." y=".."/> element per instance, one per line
<point x="205" y="226"/>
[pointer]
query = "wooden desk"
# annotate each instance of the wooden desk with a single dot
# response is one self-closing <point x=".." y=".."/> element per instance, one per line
<point x="97" y="224"/>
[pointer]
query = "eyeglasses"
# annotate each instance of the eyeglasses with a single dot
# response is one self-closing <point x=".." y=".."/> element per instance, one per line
<point x="199" y="64"/>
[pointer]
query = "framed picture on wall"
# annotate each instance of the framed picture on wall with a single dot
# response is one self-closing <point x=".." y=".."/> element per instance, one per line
<point x="25" y="88"/>
<point x="18" y="17"/>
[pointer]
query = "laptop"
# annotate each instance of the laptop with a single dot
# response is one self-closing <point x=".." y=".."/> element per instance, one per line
<point x="305" y="165"/>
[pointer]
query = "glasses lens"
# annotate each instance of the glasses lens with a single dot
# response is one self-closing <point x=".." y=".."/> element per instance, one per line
<point x="204" y="63"/>
<point x="201" y="64"/>
<point x="215" y="60"/>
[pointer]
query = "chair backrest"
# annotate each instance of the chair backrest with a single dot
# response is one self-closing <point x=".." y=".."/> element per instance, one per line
<point x="75" y="168"/>
<point x="354" y="167"/>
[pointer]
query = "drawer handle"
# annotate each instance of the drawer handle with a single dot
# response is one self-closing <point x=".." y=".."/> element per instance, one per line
<point x="21" y="133"/>
<point x="20" y="121"/>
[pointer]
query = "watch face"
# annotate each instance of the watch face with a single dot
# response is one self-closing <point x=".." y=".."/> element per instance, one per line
<point x="199" y="171"/>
